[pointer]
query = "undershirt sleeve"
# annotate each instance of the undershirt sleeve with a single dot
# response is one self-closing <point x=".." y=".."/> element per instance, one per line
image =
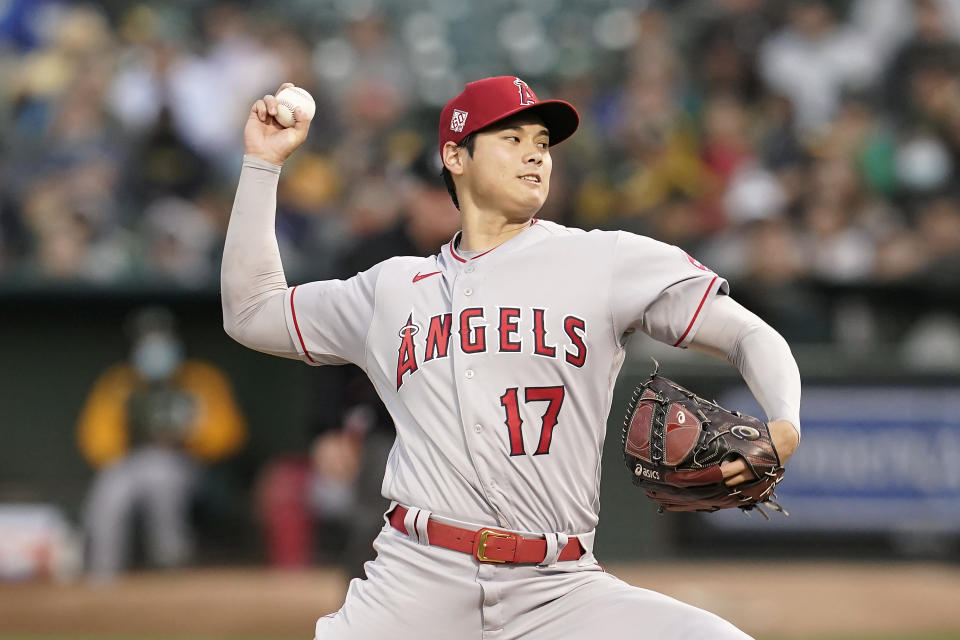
<point x="252" y="282"/>
<point x="762" y="356"/>
<point x="322" y="322"/>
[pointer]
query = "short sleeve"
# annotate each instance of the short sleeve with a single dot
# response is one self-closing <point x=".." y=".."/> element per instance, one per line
<point x="328" y="320"/>
<point x="660" y="289"/>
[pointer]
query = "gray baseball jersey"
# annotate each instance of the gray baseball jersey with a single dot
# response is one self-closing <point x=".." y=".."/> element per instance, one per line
<point x="498" y="369"/>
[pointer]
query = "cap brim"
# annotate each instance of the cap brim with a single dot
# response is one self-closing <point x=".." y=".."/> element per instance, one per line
<point x="559" y="116"/>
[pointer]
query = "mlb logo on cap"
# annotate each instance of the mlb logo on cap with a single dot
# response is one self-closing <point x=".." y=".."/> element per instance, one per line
<point x="492" y="99"/>
<point x="458" y="120"/>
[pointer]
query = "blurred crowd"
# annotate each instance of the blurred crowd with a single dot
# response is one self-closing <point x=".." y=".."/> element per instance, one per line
<point x="783" y="143"/>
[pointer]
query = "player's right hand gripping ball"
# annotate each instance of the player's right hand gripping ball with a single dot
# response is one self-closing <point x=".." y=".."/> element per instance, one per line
<point x="674" y="442"/>
<point x="287" y="102"/>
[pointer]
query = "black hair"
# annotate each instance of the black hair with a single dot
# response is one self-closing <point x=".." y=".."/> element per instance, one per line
<point x="467" y="143"/>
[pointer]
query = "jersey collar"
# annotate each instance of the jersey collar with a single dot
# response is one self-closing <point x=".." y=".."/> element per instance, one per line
<point x="451" y="247"/>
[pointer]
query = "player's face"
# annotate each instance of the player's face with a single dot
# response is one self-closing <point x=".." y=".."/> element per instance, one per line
<point x="510" y="168"/>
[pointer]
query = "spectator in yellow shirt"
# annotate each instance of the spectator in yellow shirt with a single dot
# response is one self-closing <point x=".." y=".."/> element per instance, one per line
<point x="146" y="426"/>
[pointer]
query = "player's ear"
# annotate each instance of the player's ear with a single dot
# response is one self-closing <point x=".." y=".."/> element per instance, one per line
<point x="452" y="156"/>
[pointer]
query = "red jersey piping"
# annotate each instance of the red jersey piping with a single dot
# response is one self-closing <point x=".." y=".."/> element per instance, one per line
<point x="296" y="325"/>
<point x="453" y="252"/>
<point x="697" y="313"/>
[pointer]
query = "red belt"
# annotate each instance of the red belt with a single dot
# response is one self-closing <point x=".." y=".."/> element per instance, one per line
<point x="489" y="545"/>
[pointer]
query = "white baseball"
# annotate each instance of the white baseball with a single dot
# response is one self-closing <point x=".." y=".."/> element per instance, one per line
<point x="291" y="98"/>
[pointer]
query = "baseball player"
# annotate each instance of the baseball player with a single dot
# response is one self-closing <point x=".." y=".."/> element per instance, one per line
<point x="496" y="358"/>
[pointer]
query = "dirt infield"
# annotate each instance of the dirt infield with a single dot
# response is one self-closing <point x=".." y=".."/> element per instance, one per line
<point x="807" y="600"/>
<point x="811" y="600"/>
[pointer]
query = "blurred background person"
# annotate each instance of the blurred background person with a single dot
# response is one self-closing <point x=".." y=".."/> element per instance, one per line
<point x="147" y="425"/>
<point x="813" y="57"/>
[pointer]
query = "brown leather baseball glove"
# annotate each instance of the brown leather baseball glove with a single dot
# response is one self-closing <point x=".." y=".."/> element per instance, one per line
<point x="674" y="442"/>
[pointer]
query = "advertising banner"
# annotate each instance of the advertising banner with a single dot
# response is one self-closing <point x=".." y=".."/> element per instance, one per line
<point x="870" y="459"/>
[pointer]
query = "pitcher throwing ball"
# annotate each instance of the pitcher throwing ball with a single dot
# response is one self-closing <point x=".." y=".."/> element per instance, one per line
<point x="497" y="359"/>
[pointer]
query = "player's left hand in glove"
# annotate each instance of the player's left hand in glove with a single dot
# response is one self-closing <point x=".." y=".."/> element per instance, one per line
<point x="675" y="443"/>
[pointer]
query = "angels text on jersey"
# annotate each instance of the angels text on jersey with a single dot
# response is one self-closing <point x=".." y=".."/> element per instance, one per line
<point x="479" y="329"/>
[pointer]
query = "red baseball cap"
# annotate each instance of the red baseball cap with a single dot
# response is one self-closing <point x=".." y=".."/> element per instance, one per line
<point x="486" y="101"/>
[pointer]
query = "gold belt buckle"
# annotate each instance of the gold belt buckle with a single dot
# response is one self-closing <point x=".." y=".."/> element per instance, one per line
<point x="481" y="553"/>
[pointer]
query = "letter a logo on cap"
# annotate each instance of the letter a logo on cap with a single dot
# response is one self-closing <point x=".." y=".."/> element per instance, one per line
<point x="458" y="121"/>
<point x="526" y="94"/>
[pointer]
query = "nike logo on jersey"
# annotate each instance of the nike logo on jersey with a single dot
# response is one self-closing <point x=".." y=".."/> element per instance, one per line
<point x="419" y="276"/>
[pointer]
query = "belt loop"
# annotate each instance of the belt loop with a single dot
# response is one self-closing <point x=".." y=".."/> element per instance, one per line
<point x="421" y="524"/>
<point x="553" y="552"/>
<point x="556" y="542"/>
<point x="409" y="523"/>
